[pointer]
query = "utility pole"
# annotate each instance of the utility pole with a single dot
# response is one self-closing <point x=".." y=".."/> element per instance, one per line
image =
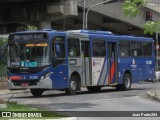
<point x="86" y="17"/>
<point x="157" y="45"/>
<point x="84" y="13"/>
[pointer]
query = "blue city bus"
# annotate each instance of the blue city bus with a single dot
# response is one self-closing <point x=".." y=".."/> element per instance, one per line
<point x="68" y="60"/>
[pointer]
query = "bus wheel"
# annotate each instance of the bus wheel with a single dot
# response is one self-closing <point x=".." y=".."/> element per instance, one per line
<point x="126" y="83"/>
<point x="94" y="88"/>
<point x="73" y="86"/>
<point x="36" y="92"/>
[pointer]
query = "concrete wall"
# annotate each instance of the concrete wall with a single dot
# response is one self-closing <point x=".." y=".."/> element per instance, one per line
<point x="115" y="11"/>
<point x="63" y="14"/>
<point x="39" y="14"/>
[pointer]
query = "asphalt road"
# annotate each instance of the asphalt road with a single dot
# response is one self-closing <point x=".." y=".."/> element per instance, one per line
<point x="107" y="100"/>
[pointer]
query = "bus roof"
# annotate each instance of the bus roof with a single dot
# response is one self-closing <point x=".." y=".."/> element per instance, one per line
<point x="92" y="32"/>
<point x="33" y="31"/>
<point x="107" y="34"/>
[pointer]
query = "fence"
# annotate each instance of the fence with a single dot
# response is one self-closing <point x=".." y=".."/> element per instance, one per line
<point x="3" y="78"/>
<point x="3" y="73"/>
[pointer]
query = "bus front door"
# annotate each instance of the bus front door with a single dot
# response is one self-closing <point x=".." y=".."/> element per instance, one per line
<point x="86" y="63"/>
<point x="112" y="62"/>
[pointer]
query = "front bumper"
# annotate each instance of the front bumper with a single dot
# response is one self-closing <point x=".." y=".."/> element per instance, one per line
<point x="43" y="84"/>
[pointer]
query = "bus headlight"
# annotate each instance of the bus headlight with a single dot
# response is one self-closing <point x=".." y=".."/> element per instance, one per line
<point x="44" y="76"/>
<point x="47" y="75"/>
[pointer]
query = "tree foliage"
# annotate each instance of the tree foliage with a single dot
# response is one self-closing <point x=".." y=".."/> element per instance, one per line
<point x="29" y="27"/>
<point x="132" y="8"/>
<point x="151" y="27"/>
<point x="3" y="41"/>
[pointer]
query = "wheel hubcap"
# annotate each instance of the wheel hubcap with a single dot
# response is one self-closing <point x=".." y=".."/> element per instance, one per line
<point x="127" y="82"/>
<point x="73" y="85"/>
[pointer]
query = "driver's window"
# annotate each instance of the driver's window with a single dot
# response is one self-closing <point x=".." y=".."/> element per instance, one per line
<point x="58" y="47"/>
<point x="58" y="50"/>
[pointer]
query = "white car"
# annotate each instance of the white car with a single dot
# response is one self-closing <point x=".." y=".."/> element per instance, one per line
<point x="157" y="75"/>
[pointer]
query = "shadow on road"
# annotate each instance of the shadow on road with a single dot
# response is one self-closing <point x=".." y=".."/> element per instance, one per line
<point x="48" y="94"/>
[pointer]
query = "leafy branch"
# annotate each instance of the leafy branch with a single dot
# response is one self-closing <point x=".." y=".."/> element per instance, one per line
<point x="132" y="8"/>
<point x="151" y="27"/>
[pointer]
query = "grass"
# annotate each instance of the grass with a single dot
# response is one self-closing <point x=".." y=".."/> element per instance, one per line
<point x="17" y="108"/>
<point x="13" y="106"/>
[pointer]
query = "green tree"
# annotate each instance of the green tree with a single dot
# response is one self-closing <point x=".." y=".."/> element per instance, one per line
<point x="132" y="8"/>
<point x="29" y="27"/>
<point x="3" y="41"/>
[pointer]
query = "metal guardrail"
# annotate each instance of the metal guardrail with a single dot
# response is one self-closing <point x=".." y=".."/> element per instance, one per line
<point x="3" y="73"/>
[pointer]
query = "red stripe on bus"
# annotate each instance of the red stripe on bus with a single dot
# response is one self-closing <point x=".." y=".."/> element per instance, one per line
<point x="112" y="71"/>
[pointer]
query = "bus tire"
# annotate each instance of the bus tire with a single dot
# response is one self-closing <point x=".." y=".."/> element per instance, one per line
<point x="36" y="92"/>
<point x="94" y="88"/>
<point x="73" y="86"/>
<point x="127" y="81"/>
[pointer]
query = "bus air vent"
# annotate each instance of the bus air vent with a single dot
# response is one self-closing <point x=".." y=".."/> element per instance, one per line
<point x="48" y="30"/>
<point x="97" y="32"/>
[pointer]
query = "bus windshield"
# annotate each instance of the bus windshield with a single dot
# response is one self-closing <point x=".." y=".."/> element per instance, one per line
<point x="28" y="55"/>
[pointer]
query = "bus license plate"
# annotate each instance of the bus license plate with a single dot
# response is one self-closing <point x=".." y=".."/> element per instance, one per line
<point x="24" y="84"/>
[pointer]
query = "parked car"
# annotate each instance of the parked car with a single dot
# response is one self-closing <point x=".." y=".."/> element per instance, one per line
<point x="157" y="74"/>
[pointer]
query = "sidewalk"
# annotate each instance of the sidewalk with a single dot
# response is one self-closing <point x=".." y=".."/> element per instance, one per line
<point x="154" y="94"/>
<point x="6" y="91"/>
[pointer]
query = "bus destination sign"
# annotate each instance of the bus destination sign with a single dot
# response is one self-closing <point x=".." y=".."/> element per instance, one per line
<point x="29" y="36"/>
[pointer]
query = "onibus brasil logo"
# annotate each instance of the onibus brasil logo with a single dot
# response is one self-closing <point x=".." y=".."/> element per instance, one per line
<point x="21" y="115"/>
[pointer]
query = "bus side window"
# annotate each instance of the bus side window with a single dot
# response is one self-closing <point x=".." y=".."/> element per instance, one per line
<point x="136" y="49"/>
<point x="73" y="47"/>
<point x="147" y="49"/>
<point x="72" y="52"/>
<point x="124" y="48"/>
<point x="135" y="53"/>
<point x="99" y="49"/>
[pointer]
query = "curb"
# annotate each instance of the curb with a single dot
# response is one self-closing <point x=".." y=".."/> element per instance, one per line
<point x="5" y="91"/>
<point x="153" y="96"/>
